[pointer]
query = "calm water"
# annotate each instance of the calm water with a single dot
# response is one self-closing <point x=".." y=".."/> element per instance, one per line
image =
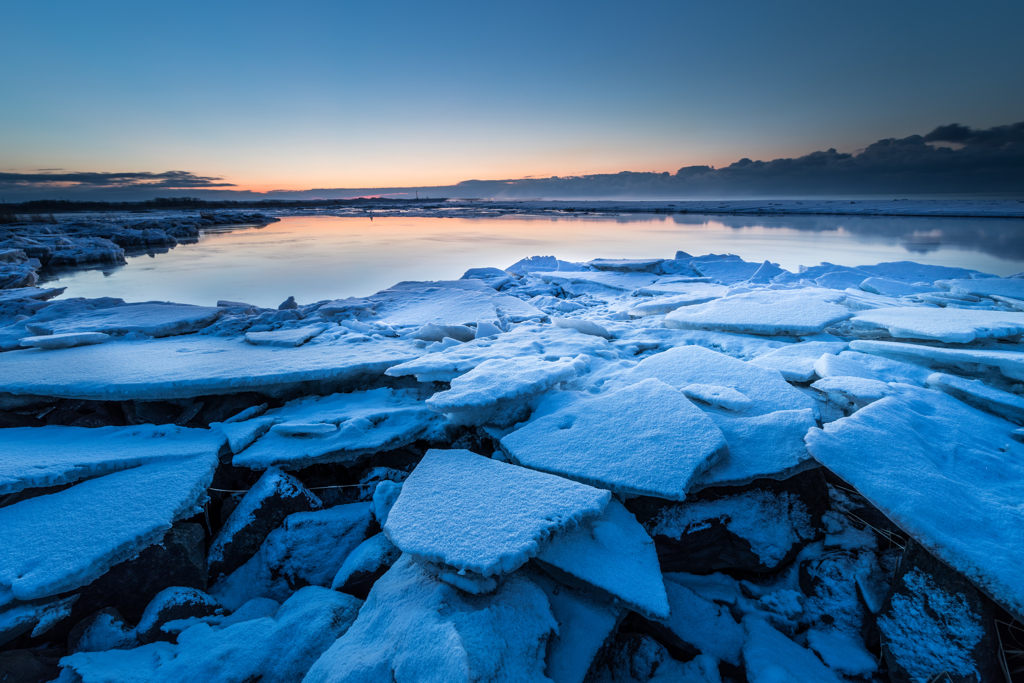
<point x="322" y="257"/>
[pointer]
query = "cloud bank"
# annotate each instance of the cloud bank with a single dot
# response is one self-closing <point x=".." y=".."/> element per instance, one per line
<point x="952" y="159"/>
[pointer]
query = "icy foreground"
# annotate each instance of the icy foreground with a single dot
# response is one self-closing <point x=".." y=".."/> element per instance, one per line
<point x="665" y="469"/>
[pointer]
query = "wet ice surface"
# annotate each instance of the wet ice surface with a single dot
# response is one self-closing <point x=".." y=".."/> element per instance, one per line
<point x="565" y="471"/>
<point x="322" y="257"/>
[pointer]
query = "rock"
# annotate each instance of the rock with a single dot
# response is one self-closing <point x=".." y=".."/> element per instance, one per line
<point x="30" y="666"/>
<point x="129" y="586"/>
<point x="289" y="304"/>
<point x="758" y="527"/>
<point x="102" y="630"/>
<point x="937" y="625"/>
<point x="172" y="604"/>
<point x="264" y="508"/>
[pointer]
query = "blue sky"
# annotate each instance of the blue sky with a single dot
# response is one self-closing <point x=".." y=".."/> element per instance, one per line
<point x="342" y="94"/>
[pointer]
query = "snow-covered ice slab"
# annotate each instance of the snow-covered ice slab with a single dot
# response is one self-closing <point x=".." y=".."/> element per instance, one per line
<point x="950" y="325"/>
<point x="540" y="341"/>
<point x="770" y="312"/>
<point x="340" y="428"/>
<point x="153" y="319"/>
<point x="764" y="446"/>
<point x="688" y="295"/>
<point x="949" y="475"/>
<point x="642" y="439"/>
<point x="413" y="627"/>
<point x="58" y="542"/>
<point x="476" y="514"/>
<point x="977" y="362"/>
<point x="725" y="269"/>
<point x="496" y="391"/>
<point x="613" y="553"/>
<point x="867" y="366"/>
<point x="597" y="282"/>
<point x="1010" y="287"/>
<point x="795" y="362"/>
<point x="978" y="394"/>
<point x="683" y="366"/>
<point x="456" y="302"/>
<point x="184" y="367"/>
<point x="51" y="456"/>
<point x="894" y="288"/>
<point x="914" y="273"/>
<point x="295" y="336"/>
<point x="64" y="340"/>
<point x="693" y="289"/>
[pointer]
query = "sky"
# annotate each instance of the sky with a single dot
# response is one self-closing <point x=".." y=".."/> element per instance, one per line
<point x="302" y="95"/>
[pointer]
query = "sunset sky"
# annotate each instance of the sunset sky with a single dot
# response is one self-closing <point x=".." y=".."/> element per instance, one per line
<point x="271" y="95"/>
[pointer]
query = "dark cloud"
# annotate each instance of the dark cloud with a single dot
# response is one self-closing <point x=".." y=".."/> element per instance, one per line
<point x="1000" y="136"/>
<point x="166" y="180"/>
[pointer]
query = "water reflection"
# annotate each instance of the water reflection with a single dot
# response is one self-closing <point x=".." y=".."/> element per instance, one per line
<point x="323" y="257"/>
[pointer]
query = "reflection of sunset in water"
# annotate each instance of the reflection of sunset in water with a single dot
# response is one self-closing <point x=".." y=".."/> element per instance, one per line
<point x="323" y="257"/>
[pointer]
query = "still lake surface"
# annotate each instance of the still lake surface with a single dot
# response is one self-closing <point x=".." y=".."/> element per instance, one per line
<point x="326" y="257"/>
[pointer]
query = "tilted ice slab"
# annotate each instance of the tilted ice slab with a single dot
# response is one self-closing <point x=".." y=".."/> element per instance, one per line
<point x="795" y="362"/>
<point x="455" y="302"/>
<point x="539" y="341"/>
<point x="978" y="394"/>
<point x="725" y="269"/>
<point x="913" y="273"/>
<point x="951" y="325"/>
<point x="184" y="367"/>
<point x="58" y="542"/>
<point x="791" y="311"/>
<point x="764" y="446"/>
<point x="153" y="319"/>
<point x="978" y="362"/>
<point x="51" y="456"/>
<point x="496" y="390"/>
<point x="64" y="340"/>
<point x="339" y="428"/>
<point x="1011" y="287"/>
<point x="894" y="288"/>
<point x="687" y="294"/>
<point x="597" y="282"/>
<point x="614" y="554"/>
<point x="693" y="287"/>
<point x="294" y="336"/>
<point x="413" y="627"/>
<point x="949" y="475"/>
<point x="685" y="365"/>
<point x="642" y="439"/>
<point x="477" y="514"/>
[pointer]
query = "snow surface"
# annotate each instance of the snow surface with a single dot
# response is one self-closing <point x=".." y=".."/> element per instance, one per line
<point x="656" y="448"/>
<point x="795" y="362"/>
<point x="911" y="453"/>
<point x="484" y="516"/>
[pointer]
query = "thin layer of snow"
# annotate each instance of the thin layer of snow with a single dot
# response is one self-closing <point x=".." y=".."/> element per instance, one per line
<point x="614" y="554"/>
<point x="911" y="453"/>
<point x="416" y="628"/>
<point x="56" y="543"/>
<point x="768" y="312"/>
<point x="477" y="514"/>
<point x="50" y="456"/>
<point x="642" y="439"/>
<point x="950" y="325"/>
<point x="340" y="427"/>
